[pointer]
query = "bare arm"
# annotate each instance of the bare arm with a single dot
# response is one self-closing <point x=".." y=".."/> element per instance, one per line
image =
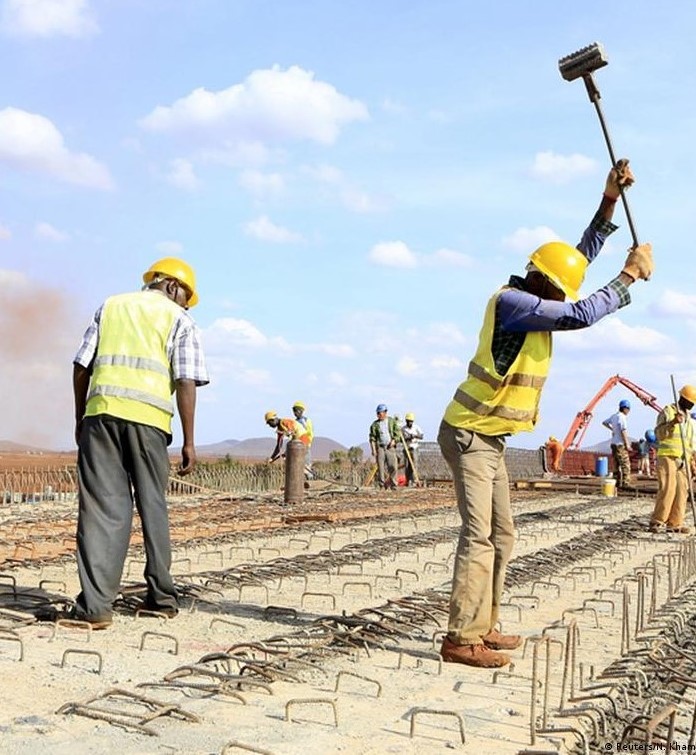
<point x="186" y="404"/>
<point x="81" y="376"/>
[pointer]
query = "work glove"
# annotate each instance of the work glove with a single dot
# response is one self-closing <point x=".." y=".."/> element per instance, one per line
<point x="620" y="177"/>
<point x="639" y="263"/>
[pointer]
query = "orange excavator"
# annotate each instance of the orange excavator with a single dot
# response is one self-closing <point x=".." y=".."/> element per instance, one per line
<point x="583" y="418"/>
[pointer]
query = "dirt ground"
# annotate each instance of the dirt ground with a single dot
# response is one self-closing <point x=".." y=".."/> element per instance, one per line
<point x="258" y="595"/>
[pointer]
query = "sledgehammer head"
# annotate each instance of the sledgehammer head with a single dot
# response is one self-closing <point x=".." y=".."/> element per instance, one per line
<point x="583" y="62"/>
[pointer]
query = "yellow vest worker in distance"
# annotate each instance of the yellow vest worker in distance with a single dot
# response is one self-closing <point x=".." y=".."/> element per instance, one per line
<point x="139" y="349"/>
<point x="299" y="409"/>
<point x="286" y="428"/>
<point x="500" y="397"/>
<point x="675" y="435"/>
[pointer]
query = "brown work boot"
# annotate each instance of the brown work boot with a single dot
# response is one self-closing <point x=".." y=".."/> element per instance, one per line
<point x="472" y="655"/>
<point x="497" y="641"/>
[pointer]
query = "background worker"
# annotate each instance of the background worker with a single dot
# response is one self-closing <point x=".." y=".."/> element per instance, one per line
<point x="298" y="409"/>
<point x="645" y="445"/>
<point x="136" y="348"/>
<point x="411" y="434"/>
<point x="620" y="443"/>
<point x="555" y="448"/>
<point x="673" y="425"/>
<point x="500" y="397"/>
<point x="384" y="434"/>
<point x="286" y="429"/>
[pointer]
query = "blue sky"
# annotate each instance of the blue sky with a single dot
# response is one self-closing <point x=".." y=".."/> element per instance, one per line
<point x="351" y="182"/>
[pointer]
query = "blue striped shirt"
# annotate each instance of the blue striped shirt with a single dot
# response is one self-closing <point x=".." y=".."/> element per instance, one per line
<point x="519" y="312"/>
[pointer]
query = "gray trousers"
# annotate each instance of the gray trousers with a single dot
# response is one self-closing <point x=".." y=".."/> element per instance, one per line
<point x="387" y="464"/>
<point x="487" y="536"/>
<point x="120" y="462"/>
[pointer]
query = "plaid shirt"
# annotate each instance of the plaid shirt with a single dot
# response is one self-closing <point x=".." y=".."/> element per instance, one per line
<point x="183" y="346"/>
<point x="519" y="312"/>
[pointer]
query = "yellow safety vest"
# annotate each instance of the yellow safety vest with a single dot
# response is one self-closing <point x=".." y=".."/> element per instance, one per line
<point x="494" y="404"/>
<point x="294" y="430"/>
<point x="669" y="441"/>
<point x="131" y="375"/>
<point x="306" y="422"/>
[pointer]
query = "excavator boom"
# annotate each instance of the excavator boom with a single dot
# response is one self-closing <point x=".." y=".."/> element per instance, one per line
<point x="583" y="418"/>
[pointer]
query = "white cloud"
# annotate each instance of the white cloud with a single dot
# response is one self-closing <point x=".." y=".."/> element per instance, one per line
<point x="528" y="239"/>
<point x="48" y="18"/>
<point x="623" y="338"/>
<point x="393" y="254"/>
<point x="675" y="304"/>
<point x="261" y="184"/>
<point x="394" y="107"/>
<point x="263" y="229"/>
<point x="182" y="175"/>
<point x="30" y="142"/>
<point x="338" y="379"/>
<point x="450" y="258"/>
<point x="235" y="332"/>
<point x="353" y="198"/>
<point x="170" y="248"/>
<point x="47" y="232"/>
<point x="270" y="105"/>
<point x="342" y="350"/>
<point x="398" y="254"/>
<point x="446" y="363"/>
<point x="561" y="169"/>
<point x="235" y="154"/>
<point x="407" y="366"/>
<point x="5" y="233"/>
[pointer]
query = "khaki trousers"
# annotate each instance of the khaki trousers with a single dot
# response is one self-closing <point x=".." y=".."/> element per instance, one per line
<point x="487" y="536"/>
<point x="672" y="492"/>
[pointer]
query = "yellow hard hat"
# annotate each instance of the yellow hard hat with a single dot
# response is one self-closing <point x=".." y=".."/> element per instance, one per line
<point x="269" y="415"/>
<point x="409" y="415"/>
<point x="563" y="265"/>
<point x="298" y="405"/>
<point x="553" y="439"/>
<point x="689" y="393"/>
<point x="172" y="267"/>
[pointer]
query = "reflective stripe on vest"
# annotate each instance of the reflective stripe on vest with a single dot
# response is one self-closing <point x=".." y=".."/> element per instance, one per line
<point x="671" y="445"/>
<point x="494" y="404"/>
<point x="131" y="376"/>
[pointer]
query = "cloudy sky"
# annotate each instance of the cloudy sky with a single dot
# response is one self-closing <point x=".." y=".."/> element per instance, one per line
<point x="351" y="182"/>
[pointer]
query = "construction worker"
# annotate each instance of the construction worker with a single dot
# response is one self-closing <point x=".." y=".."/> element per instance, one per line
<point x="500" y="397"/>
<point x="410" y="435"/>
<point x="645" y="445"/>
<point x="620" y="444"/>
<point x="137" y="349"/>
<point x="675" y="449"/>
<point x="384" y="434"/>
<point x="298" y="409"/>
<point x="286" y="429"/>
<point x="555" y="449"/>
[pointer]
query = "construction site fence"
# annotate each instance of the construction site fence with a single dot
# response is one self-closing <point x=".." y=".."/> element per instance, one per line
<point x="45" y="483"/>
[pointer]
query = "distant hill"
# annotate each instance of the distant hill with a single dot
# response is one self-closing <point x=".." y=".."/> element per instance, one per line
<point x="261" y="448"/>
<point x="10" y="447"/>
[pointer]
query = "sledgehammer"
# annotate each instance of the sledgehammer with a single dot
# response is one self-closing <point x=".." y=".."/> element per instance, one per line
<point x="582" y="64"/>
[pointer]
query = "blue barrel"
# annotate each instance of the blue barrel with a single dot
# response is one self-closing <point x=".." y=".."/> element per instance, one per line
<point x="602" y="466"/>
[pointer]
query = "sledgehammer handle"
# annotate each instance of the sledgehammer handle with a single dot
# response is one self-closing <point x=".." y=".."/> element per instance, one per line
<point x="593" y="94"/>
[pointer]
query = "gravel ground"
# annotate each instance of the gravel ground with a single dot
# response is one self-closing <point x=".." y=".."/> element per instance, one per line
<point x="398" y="698"/>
